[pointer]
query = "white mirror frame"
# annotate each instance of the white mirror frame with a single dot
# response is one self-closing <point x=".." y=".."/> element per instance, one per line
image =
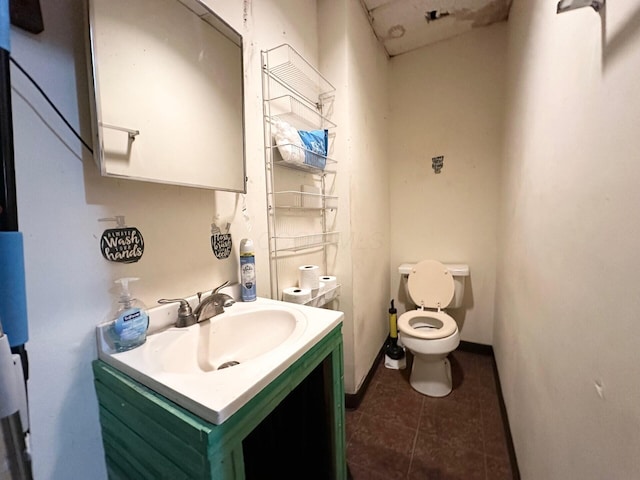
<point x="176" y="122"/>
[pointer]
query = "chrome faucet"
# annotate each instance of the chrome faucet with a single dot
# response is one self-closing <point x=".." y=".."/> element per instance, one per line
<point x="211" y="306"/>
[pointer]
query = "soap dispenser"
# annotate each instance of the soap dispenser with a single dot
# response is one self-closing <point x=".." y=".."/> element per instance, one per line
<point x="129" y="327"/>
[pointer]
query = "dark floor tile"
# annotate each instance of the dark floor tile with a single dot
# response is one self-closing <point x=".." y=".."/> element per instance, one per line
<point x="460" y="436"/>
<point x="381" y="446"/>
<point x="428" y="422"/>
<point x="498" y="468"/>
<point x="400" y="407"/>
<point x="462" y="406"/>
<point x="352" y="418"/>
<point x="485" y="367"/>
<point x="495" y="439"/>
<point x="488" y="396"/>
<point x="465" y="371"/>
<point x="467" y="392"/>
<point x="434" y="460"/>
<point x="465" y="359"/>
<point x="474" y="368"/>
<point x="456" y="434"/>
<point x="359" y="472"/>
<point x="391" y="378"/>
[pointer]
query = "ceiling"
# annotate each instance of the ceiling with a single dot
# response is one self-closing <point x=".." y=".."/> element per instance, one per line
<point x="404" y="25"/>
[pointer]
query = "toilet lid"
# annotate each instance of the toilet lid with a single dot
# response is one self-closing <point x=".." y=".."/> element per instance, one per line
<point x="431" y="285"/>
<point x="426" y="324"/>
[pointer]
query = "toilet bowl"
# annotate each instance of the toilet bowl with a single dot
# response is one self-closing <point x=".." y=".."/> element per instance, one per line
<point x="428" y="332"/>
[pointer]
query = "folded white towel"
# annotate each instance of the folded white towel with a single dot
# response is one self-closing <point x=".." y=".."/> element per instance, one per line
<point x="288" y="141"/>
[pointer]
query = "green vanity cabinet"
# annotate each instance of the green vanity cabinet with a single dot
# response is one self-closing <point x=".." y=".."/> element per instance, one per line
<point x="293" y="428"/>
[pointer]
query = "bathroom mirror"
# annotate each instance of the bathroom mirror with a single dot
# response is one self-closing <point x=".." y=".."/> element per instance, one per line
<point x="167" y="80"/>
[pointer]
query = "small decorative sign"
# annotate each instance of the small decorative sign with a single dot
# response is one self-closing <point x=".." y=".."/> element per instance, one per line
<point x="437" y="163"/>
<point x="122" y="245"/>
<point x="221" y="245"/>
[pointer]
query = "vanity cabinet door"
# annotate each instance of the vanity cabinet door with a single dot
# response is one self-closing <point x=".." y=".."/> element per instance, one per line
<point x="147" y="436"/>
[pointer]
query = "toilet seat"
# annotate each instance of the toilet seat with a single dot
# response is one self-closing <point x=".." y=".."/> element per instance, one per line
<point x="427" y="325"/>
<point x="430" y="286"/>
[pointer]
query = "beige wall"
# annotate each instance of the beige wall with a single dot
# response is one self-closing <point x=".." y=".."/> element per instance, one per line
<point x="567" y="329"/>
<point x="566" y="244"/>
<point x="61" y="197"/>
<point x="369" y="189"/>
<point x="447" y="99"/>
<point x="351" y="56"/>
<point x="333" y="21"/>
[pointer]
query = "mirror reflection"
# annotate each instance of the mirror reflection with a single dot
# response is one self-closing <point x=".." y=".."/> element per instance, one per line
<point x="168" y="88"/>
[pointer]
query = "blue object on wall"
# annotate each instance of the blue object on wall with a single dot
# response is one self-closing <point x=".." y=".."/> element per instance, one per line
<point x="5" y="21"/>
<point x="13" y="294"/>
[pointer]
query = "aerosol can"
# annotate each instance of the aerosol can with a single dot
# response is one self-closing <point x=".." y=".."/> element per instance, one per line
<point x="394" y="355"/>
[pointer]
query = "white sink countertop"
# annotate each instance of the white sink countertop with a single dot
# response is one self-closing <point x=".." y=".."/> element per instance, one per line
<point x="171" y="363"/>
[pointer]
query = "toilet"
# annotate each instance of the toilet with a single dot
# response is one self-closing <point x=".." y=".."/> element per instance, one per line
<point x="428" y="332"/>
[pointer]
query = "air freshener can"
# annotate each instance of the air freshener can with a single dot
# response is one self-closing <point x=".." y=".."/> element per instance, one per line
<point x="247" y="270"/>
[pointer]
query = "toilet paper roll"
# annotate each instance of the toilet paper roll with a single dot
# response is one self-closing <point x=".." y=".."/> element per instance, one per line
<point x="330" y="282"/>
<point x="309" y="277"/>
<point x="316" y="293"/>
<point x="296" y="295"/>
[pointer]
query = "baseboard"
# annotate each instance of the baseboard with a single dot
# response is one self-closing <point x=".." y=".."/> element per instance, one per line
<point x="505" y="421"/>
<point x="353" y="400"/>
<point x="478" y="348"/>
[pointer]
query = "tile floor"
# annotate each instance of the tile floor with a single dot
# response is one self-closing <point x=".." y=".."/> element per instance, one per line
<point x="396" y="433"/>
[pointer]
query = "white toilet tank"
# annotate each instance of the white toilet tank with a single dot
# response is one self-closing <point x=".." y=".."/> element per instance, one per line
<point x="459" y="271"/>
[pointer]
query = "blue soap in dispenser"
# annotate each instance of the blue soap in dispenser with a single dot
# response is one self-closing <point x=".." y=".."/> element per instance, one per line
<point x="129" y="328"/>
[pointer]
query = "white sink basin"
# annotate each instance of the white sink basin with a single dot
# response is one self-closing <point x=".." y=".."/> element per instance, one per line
<point x="213" y="368"/>
<point x="235" y="337"/>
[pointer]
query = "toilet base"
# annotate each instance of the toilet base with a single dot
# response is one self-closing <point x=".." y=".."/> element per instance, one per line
<point x="431" y="375"/>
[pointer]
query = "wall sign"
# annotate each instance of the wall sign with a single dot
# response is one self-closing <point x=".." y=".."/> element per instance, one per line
<point x="221" y="245"/>
<point x="437" y="163"/>
<point x="122" y="244"/>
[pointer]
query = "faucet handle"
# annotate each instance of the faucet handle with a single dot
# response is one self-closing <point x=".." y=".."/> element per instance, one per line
<point x="186" y="318"/>
<point x="213" y="292"/>
<point x="217" y="289"/>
